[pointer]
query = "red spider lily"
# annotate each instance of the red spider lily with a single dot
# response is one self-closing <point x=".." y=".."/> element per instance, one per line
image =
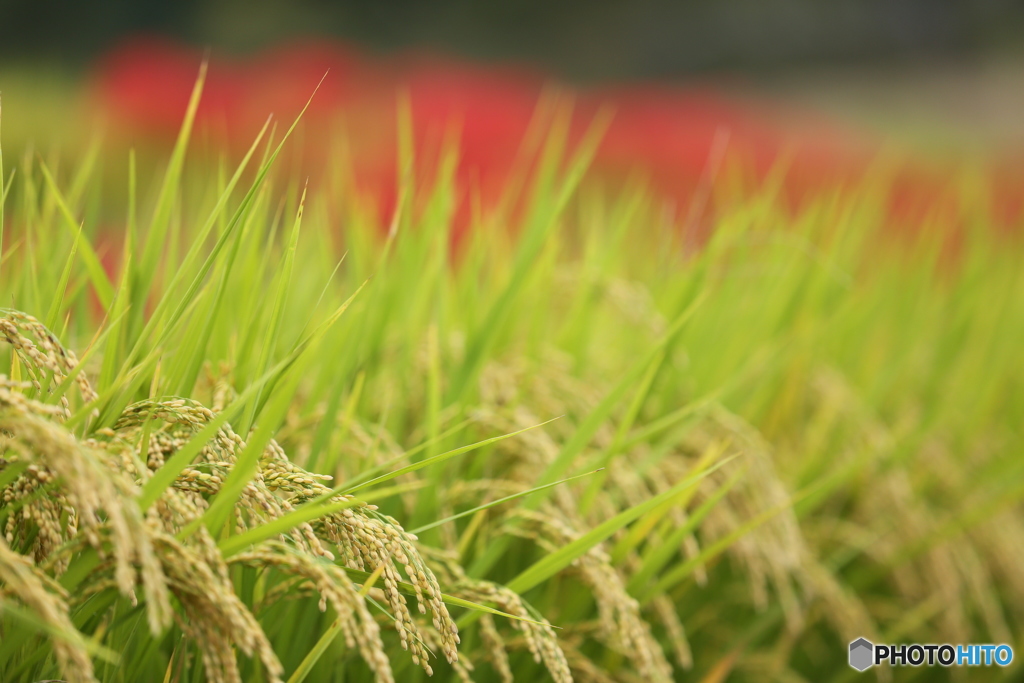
<point x="145" y="84"/>
<point x="681" y="140"/>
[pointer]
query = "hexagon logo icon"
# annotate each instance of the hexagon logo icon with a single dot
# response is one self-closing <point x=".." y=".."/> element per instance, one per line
<point x="861" y="654"/>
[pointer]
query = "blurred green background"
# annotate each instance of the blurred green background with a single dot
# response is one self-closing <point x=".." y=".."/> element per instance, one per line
<point x="578" y="39"/>
<point x="942" y="75"/>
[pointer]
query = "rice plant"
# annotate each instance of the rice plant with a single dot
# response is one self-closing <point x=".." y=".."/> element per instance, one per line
<point x="257" y="433"/>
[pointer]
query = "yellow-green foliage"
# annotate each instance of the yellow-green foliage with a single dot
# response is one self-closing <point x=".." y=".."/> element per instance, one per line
<point x="294" y="442"/>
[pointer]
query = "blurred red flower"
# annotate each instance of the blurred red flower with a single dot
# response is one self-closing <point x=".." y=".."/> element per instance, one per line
<point x="679" y="139"/>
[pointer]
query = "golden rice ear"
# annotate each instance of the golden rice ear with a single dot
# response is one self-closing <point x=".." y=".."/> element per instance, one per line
<point x="621" y="625"/>
<point x="358" y="626"/>
<point x="494" y="649"/>
<point x="88" y="484"/>
<point x="540" y="638"/>
<point x="97" y="490"/>
<point x="24" y="583"/>
<point x="42" y="354"/>
<point x="213" y="616"/>
<point x="364" y="538"/>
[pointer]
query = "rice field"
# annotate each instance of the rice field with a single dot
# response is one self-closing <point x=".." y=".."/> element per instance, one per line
<point x="262" y="426"/>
